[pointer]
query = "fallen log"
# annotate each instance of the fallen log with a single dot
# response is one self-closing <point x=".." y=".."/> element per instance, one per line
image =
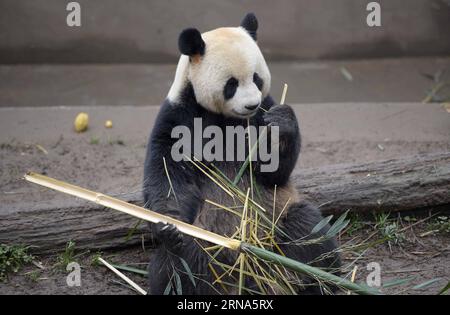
<point x="416" y="182"/>
<point x="412" y="183"/>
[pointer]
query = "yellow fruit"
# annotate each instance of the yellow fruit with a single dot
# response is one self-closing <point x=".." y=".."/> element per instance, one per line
<point x="81" y="122"/>
<point x="108" y="124"/>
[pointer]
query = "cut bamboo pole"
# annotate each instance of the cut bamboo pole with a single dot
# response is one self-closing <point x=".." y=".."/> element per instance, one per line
<point x="194" y="231"/>
<point x="283" y="95"/>
<point x="131" y="209"/>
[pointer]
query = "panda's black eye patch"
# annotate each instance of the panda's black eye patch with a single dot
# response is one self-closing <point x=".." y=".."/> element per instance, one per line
<point x="258" y="81"/>
<point x="230" y="88"/>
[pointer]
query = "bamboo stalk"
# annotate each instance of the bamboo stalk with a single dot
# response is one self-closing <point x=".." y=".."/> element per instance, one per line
<point x="306" y="269"/>
<point x="283" y="95"/>
<point x="131" y="209"/>
<point x="122" y="276"/>
<point x="194" y="231"/>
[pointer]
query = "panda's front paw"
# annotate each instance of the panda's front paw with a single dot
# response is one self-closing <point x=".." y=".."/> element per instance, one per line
<point x="169" y="236"/>
<point x="282" y="116"/>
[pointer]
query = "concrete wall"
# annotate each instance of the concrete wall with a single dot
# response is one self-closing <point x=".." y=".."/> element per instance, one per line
<point x="147" y="30"/>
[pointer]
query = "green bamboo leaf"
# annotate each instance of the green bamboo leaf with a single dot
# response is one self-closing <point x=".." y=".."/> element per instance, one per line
<point x="131" y="269"/>
<point x="188" y="270"/>
<point x="338" y="225"/>
<point x="336" y="228"/>
<point x="306" y="269"/>
<point x="168" y="288"/>
<point x="178" y="285"/>
<point x="319" y="226"/>
<point x="247" y="160"/>
<point x="397" y="282"/>
<point x="445" y="289"/>
<point x="241" y="171"/>
<point x="426" y="284"/>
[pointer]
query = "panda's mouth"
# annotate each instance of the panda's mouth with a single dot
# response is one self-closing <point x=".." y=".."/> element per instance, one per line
<point x="244" y="115"/>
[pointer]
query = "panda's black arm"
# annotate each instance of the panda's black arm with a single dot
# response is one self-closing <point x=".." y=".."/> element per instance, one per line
<point x="282" y="116"/>
<point x="185" y="199"/>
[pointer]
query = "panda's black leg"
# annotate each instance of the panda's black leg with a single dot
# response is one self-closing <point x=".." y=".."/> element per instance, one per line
<point x="166" y="264"/>
<point x="298" y="222"/>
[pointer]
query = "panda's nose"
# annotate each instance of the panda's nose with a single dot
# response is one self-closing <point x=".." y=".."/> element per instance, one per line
<point x="251" y="107"/>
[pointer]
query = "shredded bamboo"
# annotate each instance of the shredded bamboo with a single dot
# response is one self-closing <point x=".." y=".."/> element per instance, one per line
<point x="196" y="232"/>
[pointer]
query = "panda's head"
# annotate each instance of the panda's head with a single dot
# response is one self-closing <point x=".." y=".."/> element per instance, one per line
<point x="225" y="68"/>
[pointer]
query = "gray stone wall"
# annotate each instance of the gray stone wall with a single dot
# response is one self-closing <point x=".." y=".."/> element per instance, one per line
<point x="147" y="30"/>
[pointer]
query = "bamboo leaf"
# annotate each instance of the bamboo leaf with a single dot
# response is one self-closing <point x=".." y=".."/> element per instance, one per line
<point x="168" y="288"/>
<point x="131" y="269"/>
<point x="178" y="285"/>
<point x="445" y="289"/>
<point x="319" y="226"/>
<point x="397" y="282"/>
<point x="426" y="284"/>
<point x="247" y="160"/>
<point x="241" y="171"/>
<point x="188" y="270"/>
<point x="338" y="225"/>
<point x="306" y="269"/>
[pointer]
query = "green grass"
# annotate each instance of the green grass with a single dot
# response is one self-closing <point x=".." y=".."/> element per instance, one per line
<point x="94" y="259"/>
<point x="94" y="141"/>
<point x="441" y="224"/>
<point x="116" y="142"/>
<point x="67" y="256"/>
<point x="34" y="275"/>
<point x="389" y="229"/>
<point x="356" y="224"/>
<point x="12" y="259"/>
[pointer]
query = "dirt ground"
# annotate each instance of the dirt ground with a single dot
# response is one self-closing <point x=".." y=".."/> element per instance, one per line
<point x="415" y="261"/>
<point x="111" y="161"/>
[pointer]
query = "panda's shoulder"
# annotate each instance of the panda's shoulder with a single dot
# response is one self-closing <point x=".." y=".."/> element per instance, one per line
<point x="175" y="112"/>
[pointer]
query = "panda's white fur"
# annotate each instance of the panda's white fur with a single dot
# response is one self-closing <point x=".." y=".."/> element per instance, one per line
<point x="230" y="52"/>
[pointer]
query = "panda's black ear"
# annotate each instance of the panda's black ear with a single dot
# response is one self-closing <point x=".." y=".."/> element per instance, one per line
<point x="250" y="24"/>
<point x="191" y="43"/>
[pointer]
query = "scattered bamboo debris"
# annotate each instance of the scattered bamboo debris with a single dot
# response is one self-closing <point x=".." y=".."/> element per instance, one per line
<point x="260" y="255"/>
<point x="42" y="149"/>
<point x="346" y="74"/>
<point x="122" y="276"/>
<point x="353" y="277"/>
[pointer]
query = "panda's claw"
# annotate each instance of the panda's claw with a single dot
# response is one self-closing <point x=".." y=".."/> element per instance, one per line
<point x="169" y="236"/>
<point x="283" y="117"/>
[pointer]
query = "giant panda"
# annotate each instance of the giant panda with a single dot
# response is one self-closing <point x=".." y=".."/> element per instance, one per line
<point x="223" y="79"/>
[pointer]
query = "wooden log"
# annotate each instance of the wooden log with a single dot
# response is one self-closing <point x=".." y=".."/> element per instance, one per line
<point x="411" y="183"/>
